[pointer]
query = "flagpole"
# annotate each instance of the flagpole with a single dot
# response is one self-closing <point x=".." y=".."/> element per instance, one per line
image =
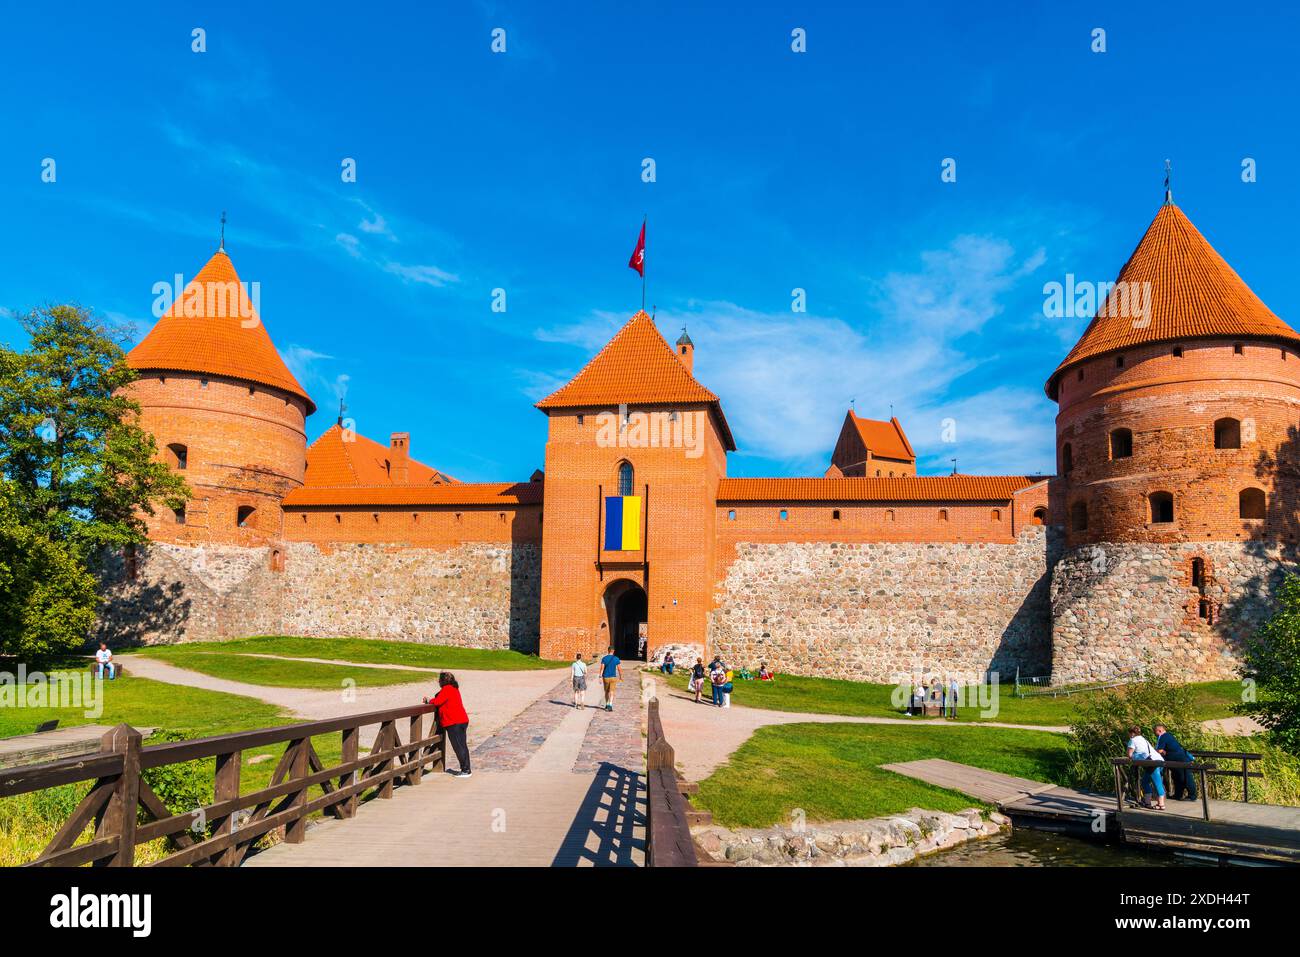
<point x="643" y="224"/>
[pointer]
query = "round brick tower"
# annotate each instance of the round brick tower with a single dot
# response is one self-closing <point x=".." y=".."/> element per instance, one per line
<point x="224" y="409"/>
<point x="1177" y="460"/>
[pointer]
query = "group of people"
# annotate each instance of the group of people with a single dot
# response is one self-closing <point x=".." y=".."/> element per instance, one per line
<point x="1166" y="748"/>
<point x="611" y="673"/>
<point x="935" y="689"/>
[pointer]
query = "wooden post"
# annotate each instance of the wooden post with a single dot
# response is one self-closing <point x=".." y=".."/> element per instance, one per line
<point x="441" y="763"/>
<point x="351" y="748"/>
<point x="118" y="817"/>
<point x="1119" y="788"/>
<point x="295" y="832"/>
<point x="388" y="735"/>
<point x="659" y="753"/>
<point x="226" y="788"/>
<point x="1205" y="796"/>
<point x="1245" y="780"/>
<point x="417" y="753"/>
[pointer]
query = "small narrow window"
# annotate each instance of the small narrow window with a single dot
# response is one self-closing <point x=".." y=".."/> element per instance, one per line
<point x="1162" y="508"/>
<point x="1238" y="349"/>
<point x="244" y="516"/>
<point x="784" y="515"/>
<point x="1121" y="444"/>
<point x="180" y="515"/>
<point x="889" y="515"/>
<point x="1080" y="375"/>
<point x="943" y="515"/>
<point x="338" y="519"/>
<point x="1040" y="516"/>
<point x="626" y="478"/>
<point x="375" y="516"/>
<point x="1119" y="362"/>
<point x="1205" y="611"/>
<point x="180" y="455"/>
<point x="1079" y="517"/>
<point x="996" y="515"/>
<point x="1227" y="434"/>
<point x="731" y="514"/>
<point x="1067" y="458"/>
<point x="277" y="560"/>
<point x="1178" y="352"/>
<point x="581" y="419"/>
<point x="877" y="473"/>
<point x="835" y="514"/>
<point x="1198" y="573"/>
<point x="1251" y="503"/>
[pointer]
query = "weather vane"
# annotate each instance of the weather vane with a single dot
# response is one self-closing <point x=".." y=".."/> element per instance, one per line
<point x="1169" y="193"/>
<point x="222" y="247"/>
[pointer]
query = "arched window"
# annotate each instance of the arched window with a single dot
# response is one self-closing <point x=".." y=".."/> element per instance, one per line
<point x="943" y="515"/>
<point x="180" y="515"/>
<point x="731" y="515"/>
<point x="889" y="515"/>
<point x="1079" y="516"/>
<point x="1227" y="434"/>
<point x="244" y="516"/>
<point x="785" y="515"/>
<point x="1250" y="503"/>
<point x="1040" y="516"/>
<point x="877" y="473"/>
<point x="1121" y="444"/>
<point x="277" y="560"/>
<point x="180" y="455"/>
<point x="626" y="478"/>
<point x="1067" y="458"/>
<point x="1162" y="507"/>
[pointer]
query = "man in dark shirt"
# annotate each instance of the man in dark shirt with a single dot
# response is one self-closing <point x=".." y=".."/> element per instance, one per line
<point x="1172" y="750"/>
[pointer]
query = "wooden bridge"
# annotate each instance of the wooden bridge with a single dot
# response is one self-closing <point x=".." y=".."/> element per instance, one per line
<point x="375" y="812"/>
<point x="1227" y="830"/>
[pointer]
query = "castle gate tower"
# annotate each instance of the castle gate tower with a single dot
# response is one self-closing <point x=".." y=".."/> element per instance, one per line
<point x="1178" y="455"/>
<point x="225" y="411"/>
<point x="635" y="450"/>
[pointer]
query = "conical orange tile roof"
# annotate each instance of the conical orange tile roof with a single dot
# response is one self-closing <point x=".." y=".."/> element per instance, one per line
<point x="1194" y="294"/>
<point x="637" y="366"/>
<point x="210" y="329"/>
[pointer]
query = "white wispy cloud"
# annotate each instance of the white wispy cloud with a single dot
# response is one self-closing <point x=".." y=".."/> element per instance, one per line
<point x="426" y="275"/>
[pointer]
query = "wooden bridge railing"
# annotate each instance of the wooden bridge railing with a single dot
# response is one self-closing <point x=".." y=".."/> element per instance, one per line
<point x="223" y="832"/>
<point x="668" y="831"/>
<point x="1200" y="767"/>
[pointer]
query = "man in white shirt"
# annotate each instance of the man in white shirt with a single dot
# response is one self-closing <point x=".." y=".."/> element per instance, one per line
<point x="579" y="682"/>
<point x="104" y="662"/>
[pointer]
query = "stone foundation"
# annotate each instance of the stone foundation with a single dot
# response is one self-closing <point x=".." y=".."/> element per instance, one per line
<point x="878" y="842"/>
<point x="1133" y="607"/>
<point x="472" y="595"/>
<point x="876" y="611"/>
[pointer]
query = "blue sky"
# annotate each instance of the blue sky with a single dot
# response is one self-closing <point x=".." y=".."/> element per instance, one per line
<point x="522" y="171"/>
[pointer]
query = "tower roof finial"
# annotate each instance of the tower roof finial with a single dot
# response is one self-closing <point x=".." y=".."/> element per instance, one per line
<point x="222" y="247"/>
<point x="1169" y="193"/>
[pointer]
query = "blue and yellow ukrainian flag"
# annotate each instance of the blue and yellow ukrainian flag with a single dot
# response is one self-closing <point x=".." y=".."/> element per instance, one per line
<point x="622" y="523"/>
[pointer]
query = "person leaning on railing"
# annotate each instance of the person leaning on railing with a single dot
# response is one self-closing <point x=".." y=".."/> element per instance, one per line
<point x="449" y="712"/>
<point x="1153" y="783"/>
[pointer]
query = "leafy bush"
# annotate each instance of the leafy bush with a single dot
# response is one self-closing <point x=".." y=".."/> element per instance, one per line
<point x="1272" y="660"/>
<point x="183" y="787"/>
<point x="1100" y="730"/>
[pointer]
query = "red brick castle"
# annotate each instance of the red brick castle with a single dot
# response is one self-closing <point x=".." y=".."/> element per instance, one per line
<point x="1154" y="547"/>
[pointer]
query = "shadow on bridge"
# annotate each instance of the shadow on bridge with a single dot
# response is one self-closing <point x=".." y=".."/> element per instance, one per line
<point x="603" y="833"/>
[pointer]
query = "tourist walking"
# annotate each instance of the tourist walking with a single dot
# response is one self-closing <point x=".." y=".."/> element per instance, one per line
<point x="104" y="662"/>
<point x="697" y="678"/>
<point x="579" y="683"/>
<point x="1171" y="749"/>
<point x="611" y="673"/>
<point x="452" y="721"/>
<point x="717" y="680"/>
<point x="1153" y="782"/>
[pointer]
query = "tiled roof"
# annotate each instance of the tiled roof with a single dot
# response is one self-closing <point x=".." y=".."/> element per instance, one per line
<point x="637" y="366"/>
<point x="1194" y="294"/>
<point x="910" y="488"/>
<point x="221" y="339"/>
<point x="403" y="496"/>
<point x="883" y="438"/>
<point x="340" y="460"/>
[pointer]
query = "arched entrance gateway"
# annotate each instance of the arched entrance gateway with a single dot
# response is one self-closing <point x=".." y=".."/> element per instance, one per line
<point x="626" y="611"/>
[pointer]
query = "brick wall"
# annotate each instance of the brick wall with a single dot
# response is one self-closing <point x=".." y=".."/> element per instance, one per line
<point x="876" y="610"/>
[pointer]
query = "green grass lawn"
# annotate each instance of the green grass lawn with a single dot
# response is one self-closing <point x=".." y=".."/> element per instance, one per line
<point x="278" y="673"/>
<point x="857" y="698"/>
<point x="362" y="651"/>
<point x="831" y="771"/>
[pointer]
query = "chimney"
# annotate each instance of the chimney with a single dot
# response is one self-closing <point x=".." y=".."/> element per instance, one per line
<point x="686" y="351"/>
<point x="400" y="457"/>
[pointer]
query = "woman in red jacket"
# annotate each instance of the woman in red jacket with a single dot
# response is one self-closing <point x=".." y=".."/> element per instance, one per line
<point x="452" y="719"/>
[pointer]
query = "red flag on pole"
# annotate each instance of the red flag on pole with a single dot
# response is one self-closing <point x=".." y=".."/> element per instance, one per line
<point x="637" y="261"/>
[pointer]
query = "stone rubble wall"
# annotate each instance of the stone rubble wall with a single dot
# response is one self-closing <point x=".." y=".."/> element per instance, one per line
<point x="473" y="595"/>
<point x="1132" y="607"/>
<point x="877" y="611"/>
<point x="877" y="842"/>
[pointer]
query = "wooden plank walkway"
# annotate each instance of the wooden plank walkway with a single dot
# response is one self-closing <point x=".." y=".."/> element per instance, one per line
<point x="1260" y="832"/>
<point x="24" y="749"/>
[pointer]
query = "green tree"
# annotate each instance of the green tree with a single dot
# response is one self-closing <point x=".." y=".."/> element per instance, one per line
<point x="1272" y="661"/>
<point x="77" y="472"/>
<point x="83" y="470"/>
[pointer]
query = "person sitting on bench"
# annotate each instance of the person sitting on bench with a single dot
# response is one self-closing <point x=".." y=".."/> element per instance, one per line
<point x="104" y="662"/>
